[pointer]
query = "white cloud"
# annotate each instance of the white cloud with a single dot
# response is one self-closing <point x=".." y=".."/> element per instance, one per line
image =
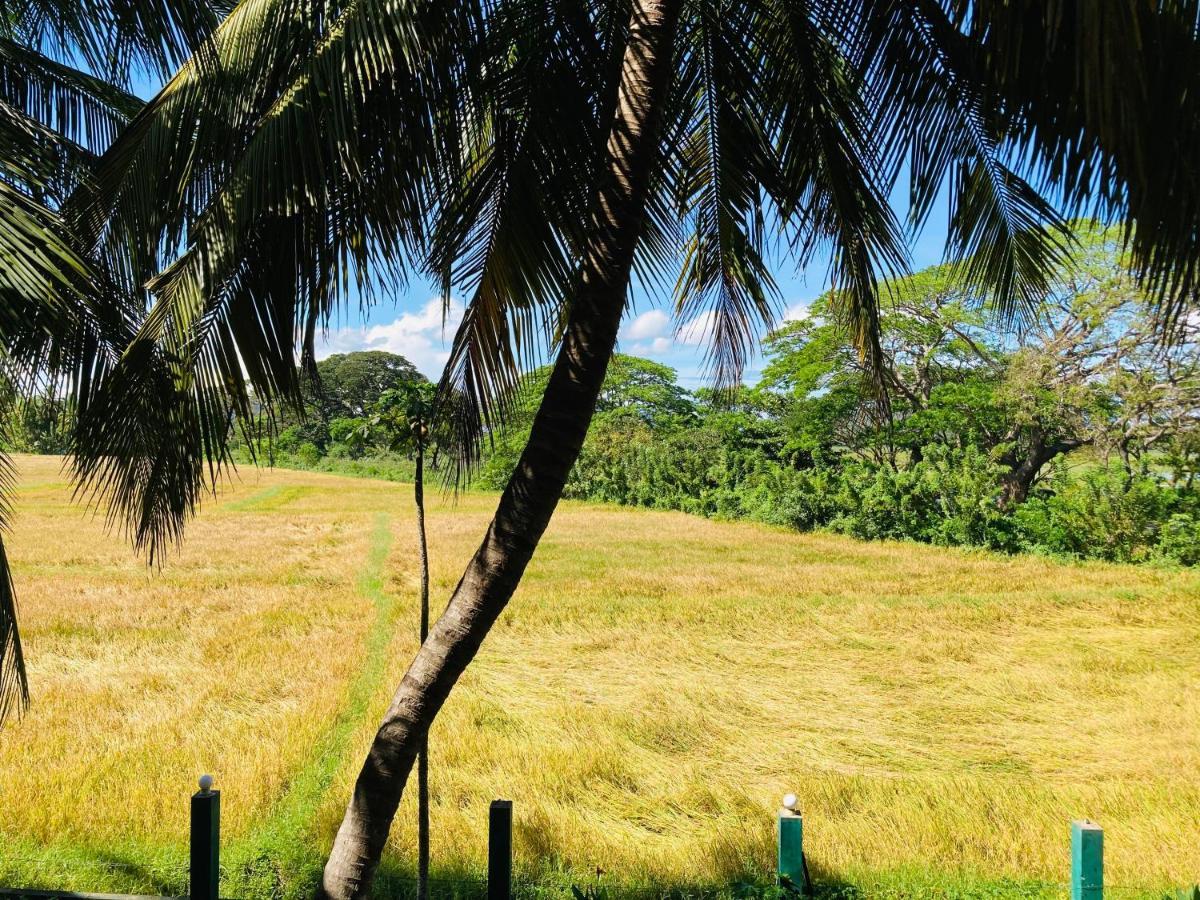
<point x="653" y="323"/>
<point x="698" y="331"/>
<point x="797" y="312"/>
<point x="661" y="345"/>
<point x="422" y="337"/>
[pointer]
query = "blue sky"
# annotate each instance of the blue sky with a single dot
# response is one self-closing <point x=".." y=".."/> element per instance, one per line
<point x="415" y="327"/>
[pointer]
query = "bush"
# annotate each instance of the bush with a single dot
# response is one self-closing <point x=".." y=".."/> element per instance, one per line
<point x="1179" y="540"/>
<point x="308" y="454"/>
<point x="1109" y="514"/>
<point x="348" y="438"/>
<point x="951" y="496"/>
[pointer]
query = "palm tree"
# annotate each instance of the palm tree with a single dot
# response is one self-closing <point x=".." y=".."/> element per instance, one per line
<point x="406" y="416"/>
<point x="64" y="71"/>
<point x="536" y="157"/>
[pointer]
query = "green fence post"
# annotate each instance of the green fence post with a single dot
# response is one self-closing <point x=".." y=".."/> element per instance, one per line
<point x="792" y="871"/>
<point x="1087" y="861"/>
<point x="499" y="885"/>
<point x="206" y="842"/>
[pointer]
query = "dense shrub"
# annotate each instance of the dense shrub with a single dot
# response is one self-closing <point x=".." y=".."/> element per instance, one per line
<point x="951" y="496"/>
<point x="1179" y="539"/>
<point x="1108" y="513"/>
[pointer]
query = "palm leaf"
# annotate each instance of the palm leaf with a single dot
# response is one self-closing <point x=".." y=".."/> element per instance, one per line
<point x="510" y="215"/>
<point x="112" y="37"/>
<point x="1102" y="101"/>
<point x="53" y="121"/>
<point x="323" y="180"/>
<point x="727" y="166"/>
<point x="936" y="114"/>
<point x="834" y="189"/>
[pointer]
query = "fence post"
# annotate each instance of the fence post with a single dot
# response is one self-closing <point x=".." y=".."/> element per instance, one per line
<point x="206" y="842"/>
<point x="1087" y="861"/>
<point x="500" y="850"/>
<point x="792" y="870"/>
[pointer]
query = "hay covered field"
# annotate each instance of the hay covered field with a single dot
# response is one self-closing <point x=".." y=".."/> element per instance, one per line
<point x="657" y="684"/>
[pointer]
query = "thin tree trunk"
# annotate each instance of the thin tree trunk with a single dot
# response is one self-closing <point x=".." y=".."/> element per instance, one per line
<point x="423" y="753"/>
<point x="537" y="482"/>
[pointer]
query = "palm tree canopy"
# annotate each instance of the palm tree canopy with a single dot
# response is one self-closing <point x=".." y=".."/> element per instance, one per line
<point x="315" y="149"/>
<point x="64" y="70"/>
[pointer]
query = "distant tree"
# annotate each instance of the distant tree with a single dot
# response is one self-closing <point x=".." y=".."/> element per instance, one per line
<point x="337" y="400"/>
<point x="1092" y="369"/>
<point x="744" y="418"/>
<point x="932" y="334"/>
<point x="1086" y="368"/>
<point x="349" y="384"/>
<point x="637" y="396"/>
<point x="642" y="388"/>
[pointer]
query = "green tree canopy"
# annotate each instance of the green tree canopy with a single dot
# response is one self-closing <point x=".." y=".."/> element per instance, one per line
<point x="1084" y="368"/>
<point x="348" y="384"/>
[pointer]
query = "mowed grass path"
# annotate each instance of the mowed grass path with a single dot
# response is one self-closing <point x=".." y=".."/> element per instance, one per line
<point x="655" y="686"/>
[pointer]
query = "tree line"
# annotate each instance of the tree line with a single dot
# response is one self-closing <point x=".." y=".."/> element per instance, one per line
<point x="1072" y="431"/>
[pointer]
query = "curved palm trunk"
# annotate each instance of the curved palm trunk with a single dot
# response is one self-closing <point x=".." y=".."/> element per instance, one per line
<point x="536" y="485"/>
<point x="423" y="753"/>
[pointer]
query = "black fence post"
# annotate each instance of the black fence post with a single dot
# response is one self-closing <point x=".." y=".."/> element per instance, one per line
<point x="500" y="850"/>
<point x="206" y="842"/>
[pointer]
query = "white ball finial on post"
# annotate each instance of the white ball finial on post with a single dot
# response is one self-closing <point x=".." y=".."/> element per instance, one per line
<point x="206" y="783"/>
<point x="792" y="871"/>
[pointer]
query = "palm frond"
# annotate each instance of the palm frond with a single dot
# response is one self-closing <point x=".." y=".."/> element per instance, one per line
<point x="323" y="180"/>
<point x="54" y="120"/>
<point x="511" y="211"/>
<point x="726" y="171"/>
<point x="37" y="264"/>
<point x="935" y="114"/>
<point x="56" y="327"/>
<point x="1103" y="101"/>
<point x="833" y="188"/>
<point x="14" y="685"/>
<point x="112" y="37"/>
<point x="167" y="167"/>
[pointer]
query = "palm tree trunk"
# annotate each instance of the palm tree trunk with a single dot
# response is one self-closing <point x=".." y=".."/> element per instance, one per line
<point x="537" y="482"/>
<point x="423" y="753"/>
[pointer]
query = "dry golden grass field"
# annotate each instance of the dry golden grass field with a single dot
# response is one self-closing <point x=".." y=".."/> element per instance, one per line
<point x="657" y="684"/>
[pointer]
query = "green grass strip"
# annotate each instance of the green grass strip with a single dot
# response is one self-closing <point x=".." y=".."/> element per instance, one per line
<point x="268" y="499"/>
<point x="282" y="856"/>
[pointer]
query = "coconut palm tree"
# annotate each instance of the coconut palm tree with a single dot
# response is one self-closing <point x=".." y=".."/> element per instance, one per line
<point x="406" y="416"/>
<point x="65" y="67"/>
<point x="537" y="157"/>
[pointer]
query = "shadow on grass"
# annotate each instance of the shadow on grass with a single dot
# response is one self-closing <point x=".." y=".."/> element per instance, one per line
<point x="158" y="880"/>
<point x="90" y="870"/>
<point x="264" y="876"/>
